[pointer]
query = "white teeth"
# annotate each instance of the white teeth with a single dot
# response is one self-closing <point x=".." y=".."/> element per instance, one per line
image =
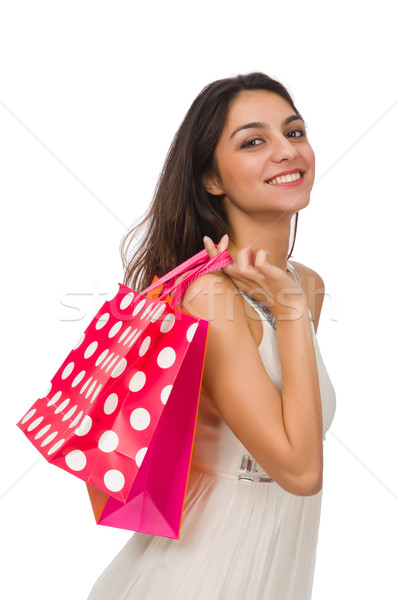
<point x="285" y="178"/>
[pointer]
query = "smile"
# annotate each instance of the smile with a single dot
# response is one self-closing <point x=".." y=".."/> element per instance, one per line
<point x="290" y="178"/>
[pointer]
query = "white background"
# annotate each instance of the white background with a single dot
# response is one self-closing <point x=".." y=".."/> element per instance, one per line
<point x="91" y="94"/>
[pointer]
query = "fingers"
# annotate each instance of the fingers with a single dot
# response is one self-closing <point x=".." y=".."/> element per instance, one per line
<point x="210" y="247"/>
<point x="244" y="258"/>
<point x="253" y="253"/>
<point x="223" y="244"/>
<point x="261" y="258"/>
<point x="251" y="265"/>
<point x="214" y="250"/>
<point x="248" y="256"/>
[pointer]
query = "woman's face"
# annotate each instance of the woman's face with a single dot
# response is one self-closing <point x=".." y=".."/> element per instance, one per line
<point x="262" y="138"/>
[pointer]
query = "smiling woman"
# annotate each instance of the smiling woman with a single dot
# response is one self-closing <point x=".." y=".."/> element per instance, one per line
<point x="239" y="170"/>
<point x="248" y="158"/>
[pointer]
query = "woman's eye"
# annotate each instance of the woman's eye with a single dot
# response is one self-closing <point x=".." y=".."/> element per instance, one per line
<point x="252" y="143"/>
<point x="296" y="133"/>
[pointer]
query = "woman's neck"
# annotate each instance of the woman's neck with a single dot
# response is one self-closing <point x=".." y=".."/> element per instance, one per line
<point x="271" y="234"/>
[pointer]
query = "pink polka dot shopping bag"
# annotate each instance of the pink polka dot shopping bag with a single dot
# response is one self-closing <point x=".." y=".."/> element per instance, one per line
<point x="120" y="412"/>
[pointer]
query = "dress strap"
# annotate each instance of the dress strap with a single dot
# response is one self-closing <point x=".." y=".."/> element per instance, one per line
<point x="261" y="309"/>
<point x="298" y="281"/>
<point x="295" y="274"/>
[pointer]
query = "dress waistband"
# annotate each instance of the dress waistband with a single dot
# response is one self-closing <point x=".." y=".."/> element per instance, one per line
<point x="249" y="471"/>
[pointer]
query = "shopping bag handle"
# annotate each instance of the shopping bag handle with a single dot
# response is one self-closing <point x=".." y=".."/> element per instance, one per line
<point x="198" y="265"/>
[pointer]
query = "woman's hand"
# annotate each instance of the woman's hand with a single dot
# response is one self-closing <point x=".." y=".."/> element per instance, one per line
<point x="270" y="285"/>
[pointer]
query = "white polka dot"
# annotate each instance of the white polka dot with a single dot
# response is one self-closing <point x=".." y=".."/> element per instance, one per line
<point x="140" y="419"/>
<point x="95" y="394"/>
<point x="67" y="370"/>
<point x="42" y="432"/>
<point x="114" y="480"/>
<point x="62" y="406"/>
<point x="125" y="332"/>
<point x="191" y="331"/>
<point x="78" y="378"/>
<point x="49" y="438"/>
<point x="107" y="360"/>
<point x="134" y="339"/>
<point x="76" y="460"/>
<point x="111" y="364"/>
<point x="130" y="335"/>
<point x="146" y="311"/>
<point x="84" y="426"/>
<point x="140" y="455"/>
<point x="35" y="423"/>
<point x="85" y="386"/>
<point x="103" y="319"/>
<point x="55" y="447"/>
<point x="76" y="419"/>
<point x="138" y="307"/>
<point x="91" y="389"/>
<point x="119" y="368"/>
<point x="137" y="381"/>
<point x="115" y="329"/>
<point x="165" y="393"/>
<point x="157" y="314"/>
<point x="110" y="404"/>
<point x="167" y="323"/>
<point x="145" y="346"/>
<point x="70" y="413"/>
<point x="54" y="399"/>
<point x="28" y="415"/>
<point x="79" y="341"/>
<point x="89" y="351"/>
<point x="166" y="358"/>
<point x="153" y="309"/>
<point x="126" y="301"/>
<point x="108" y="441"/>
<point x="101" y="357"/>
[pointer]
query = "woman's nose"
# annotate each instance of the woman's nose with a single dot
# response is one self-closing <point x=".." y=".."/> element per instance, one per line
<point x="283" y="149"/>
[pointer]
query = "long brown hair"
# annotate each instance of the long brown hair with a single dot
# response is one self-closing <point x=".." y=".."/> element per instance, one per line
<point x="182" y="211"/>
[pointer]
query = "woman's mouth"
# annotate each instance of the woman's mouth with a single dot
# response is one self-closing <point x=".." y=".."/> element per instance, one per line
<point x="290" y="180"/>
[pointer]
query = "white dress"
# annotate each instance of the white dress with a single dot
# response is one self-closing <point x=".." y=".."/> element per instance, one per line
<point x="243" y="537"/>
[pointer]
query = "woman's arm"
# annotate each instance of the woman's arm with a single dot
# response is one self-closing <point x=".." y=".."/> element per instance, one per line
<point x="283" y="433"/>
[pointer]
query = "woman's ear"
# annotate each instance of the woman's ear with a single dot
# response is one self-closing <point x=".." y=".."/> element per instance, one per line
<point x="212" y="184"/>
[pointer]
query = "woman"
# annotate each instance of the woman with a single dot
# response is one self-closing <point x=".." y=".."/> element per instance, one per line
<point x="239" y="169"/>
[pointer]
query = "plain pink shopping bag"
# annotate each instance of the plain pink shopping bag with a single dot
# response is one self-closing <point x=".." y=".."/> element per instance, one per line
<point x="125" y="398"/>
<point x="155" y="501"/>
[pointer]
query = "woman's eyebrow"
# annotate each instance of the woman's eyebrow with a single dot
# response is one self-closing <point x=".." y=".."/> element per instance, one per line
<point x="259" y="125"/>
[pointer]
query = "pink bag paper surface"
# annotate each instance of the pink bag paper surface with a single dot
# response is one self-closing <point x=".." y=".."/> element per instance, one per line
<point x="105" y="401"/>
<point x="103" y="418"/>
<point x="155" y="501"/>
<point x="103" y="405"/>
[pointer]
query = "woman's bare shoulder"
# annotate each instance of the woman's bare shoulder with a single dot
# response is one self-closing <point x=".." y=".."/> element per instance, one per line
<point x="210" y="293"/>
<point x="305" y="273"/>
